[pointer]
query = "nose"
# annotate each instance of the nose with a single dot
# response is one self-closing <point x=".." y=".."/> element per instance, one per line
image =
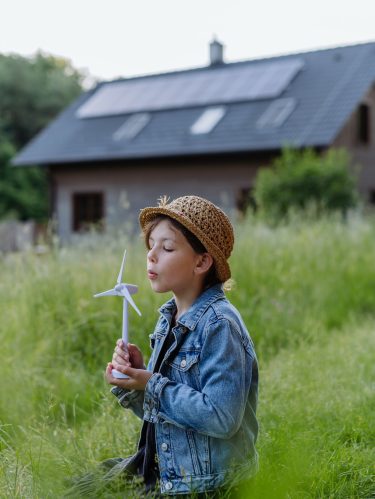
<point x="151" y="255"/>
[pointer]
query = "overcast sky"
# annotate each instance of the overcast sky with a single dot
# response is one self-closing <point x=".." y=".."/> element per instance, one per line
<point x="125" y="38"/>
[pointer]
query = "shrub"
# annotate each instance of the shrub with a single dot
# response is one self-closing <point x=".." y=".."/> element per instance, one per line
<point x="304" y="180"/>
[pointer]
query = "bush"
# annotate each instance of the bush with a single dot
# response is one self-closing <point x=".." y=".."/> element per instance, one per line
<point x="303" y="180"/>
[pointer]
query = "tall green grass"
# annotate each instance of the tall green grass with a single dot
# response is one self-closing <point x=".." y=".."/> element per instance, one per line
<point x="299" y="282"/>
<point x="307" y="294"/>
<point x="317" y="413"/>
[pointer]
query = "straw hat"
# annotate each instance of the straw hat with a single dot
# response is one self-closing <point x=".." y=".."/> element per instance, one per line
<point x="205" y="220"/>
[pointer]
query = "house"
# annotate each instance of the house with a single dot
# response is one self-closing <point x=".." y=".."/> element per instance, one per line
<point x="205" y="131"/>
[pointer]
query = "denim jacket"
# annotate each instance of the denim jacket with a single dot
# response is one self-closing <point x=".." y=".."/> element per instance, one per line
<point x="203" y="402"/>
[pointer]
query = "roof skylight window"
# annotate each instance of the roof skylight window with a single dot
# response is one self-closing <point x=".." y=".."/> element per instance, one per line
<point x="132" y="127"/>
<point x="276" y="113"/>
<point x="207" y="120"/>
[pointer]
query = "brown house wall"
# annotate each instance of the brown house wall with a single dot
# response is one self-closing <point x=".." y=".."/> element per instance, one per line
<point x="130" y="186"/>
<point x="363" y="155"/>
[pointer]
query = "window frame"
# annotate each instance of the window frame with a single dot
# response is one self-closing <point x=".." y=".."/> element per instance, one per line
<point x="79" y="223"/>
<point x="364" y="124"/>
<point x="199" y="127"/>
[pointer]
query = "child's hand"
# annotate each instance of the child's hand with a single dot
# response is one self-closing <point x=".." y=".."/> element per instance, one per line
<point x="129" y="355"/>
<point x="135" y="356"/>
<point x="137" y="377"/>
<point x="120" y="355"/>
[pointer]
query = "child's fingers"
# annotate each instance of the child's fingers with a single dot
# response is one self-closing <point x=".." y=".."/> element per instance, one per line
<point x="117" y="366"/>
<point x="108" y="373"/>
<point x="122" y="383"/>
<point x="119" y="354"/>
<point x="123" y="353"/>
<point x="120" y="343"/>
<point x="137" y="378"/>
<point x="130" y="371"/>
<point x="111" y="379"/>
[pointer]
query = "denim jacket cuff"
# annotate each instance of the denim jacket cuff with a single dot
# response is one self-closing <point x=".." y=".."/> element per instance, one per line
<point x="125" y="397"/>
<point x="153" y="390"/>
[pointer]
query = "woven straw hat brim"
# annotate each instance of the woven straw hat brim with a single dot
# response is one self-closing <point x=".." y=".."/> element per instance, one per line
<point x="221" y="264"/>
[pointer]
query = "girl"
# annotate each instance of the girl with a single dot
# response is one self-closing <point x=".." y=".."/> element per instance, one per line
<point x="198" y="395"/>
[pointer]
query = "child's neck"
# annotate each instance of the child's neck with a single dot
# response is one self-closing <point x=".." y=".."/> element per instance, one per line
<point x="185" y="301"/>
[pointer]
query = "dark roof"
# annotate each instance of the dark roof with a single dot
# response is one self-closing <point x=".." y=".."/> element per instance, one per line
<point x="325" y="90"/>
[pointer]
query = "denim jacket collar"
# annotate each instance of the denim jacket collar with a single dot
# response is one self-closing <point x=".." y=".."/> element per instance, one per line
<point x="191" y="318"/>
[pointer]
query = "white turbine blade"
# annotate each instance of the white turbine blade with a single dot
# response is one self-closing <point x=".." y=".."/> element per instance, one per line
<point x="126" y="294"/>
<point x="122" y="268"/>
<point x="110" y="292"/>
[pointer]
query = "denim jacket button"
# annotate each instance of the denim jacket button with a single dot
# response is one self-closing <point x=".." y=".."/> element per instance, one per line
<point x="164" y="446"/>
<point x="183" y="363"/>
<point x="168" y="485"/>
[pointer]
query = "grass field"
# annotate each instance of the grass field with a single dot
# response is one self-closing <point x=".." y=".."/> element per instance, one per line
<point x="307" y="294"/>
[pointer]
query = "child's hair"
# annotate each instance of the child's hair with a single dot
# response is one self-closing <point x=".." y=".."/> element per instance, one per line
<point x="211" y="277"/>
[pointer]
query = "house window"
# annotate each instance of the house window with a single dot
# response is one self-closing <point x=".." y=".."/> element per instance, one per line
<point x="88" y="210"/>
<point x="207" y="120"/>
<point x="133" y="125"/>
<point x="364" y="124"/>
<point x="276" y="113"/>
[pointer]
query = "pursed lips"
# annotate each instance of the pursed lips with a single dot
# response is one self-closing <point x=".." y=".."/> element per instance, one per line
<point x="151" y="274"/>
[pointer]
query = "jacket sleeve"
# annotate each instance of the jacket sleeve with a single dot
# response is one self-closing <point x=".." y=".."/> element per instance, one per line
<point x="131" y="399"/>
<point x="225" y="375"/>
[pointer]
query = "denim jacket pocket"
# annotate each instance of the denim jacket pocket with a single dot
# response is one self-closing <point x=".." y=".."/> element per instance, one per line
<point x="184" y="368"/>
<point x="184" y="360"/>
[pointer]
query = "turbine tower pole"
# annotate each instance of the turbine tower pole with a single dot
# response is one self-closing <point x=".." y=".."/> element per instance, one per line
<point x="125" y="322"/>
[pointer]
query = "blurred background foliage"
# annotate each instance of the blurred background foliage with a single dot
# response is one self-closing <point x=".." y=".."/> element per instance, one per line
<point x="33" y="90"/>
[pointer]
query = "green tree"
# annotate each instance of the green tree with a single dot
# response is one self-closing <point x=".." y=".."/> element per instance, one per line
<point x="32" y="92"/>
<point x="23" y="192"/>
<point x="300" y="180"/>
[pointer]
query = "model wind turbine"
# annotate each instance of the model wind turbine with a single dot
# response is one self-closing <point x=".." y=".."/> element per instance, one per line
<point x="125" y="291"/>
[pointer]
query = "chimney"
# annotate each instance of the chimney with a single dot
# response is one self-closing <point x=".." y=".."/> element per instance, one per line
<point x="216" y="52"/>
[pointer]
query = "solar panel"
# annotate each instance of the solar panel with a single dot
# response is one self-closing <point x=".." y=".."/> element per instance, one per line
<point x="263" y="80"/>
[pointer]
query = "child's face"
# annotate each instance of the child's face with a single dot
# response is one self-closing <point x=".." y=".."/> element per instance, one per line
<point x="171" y="261"/>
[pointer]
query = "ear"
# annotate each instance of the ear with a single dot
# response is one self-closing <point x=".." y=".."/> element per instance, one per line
<point x="205" y="261"/>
